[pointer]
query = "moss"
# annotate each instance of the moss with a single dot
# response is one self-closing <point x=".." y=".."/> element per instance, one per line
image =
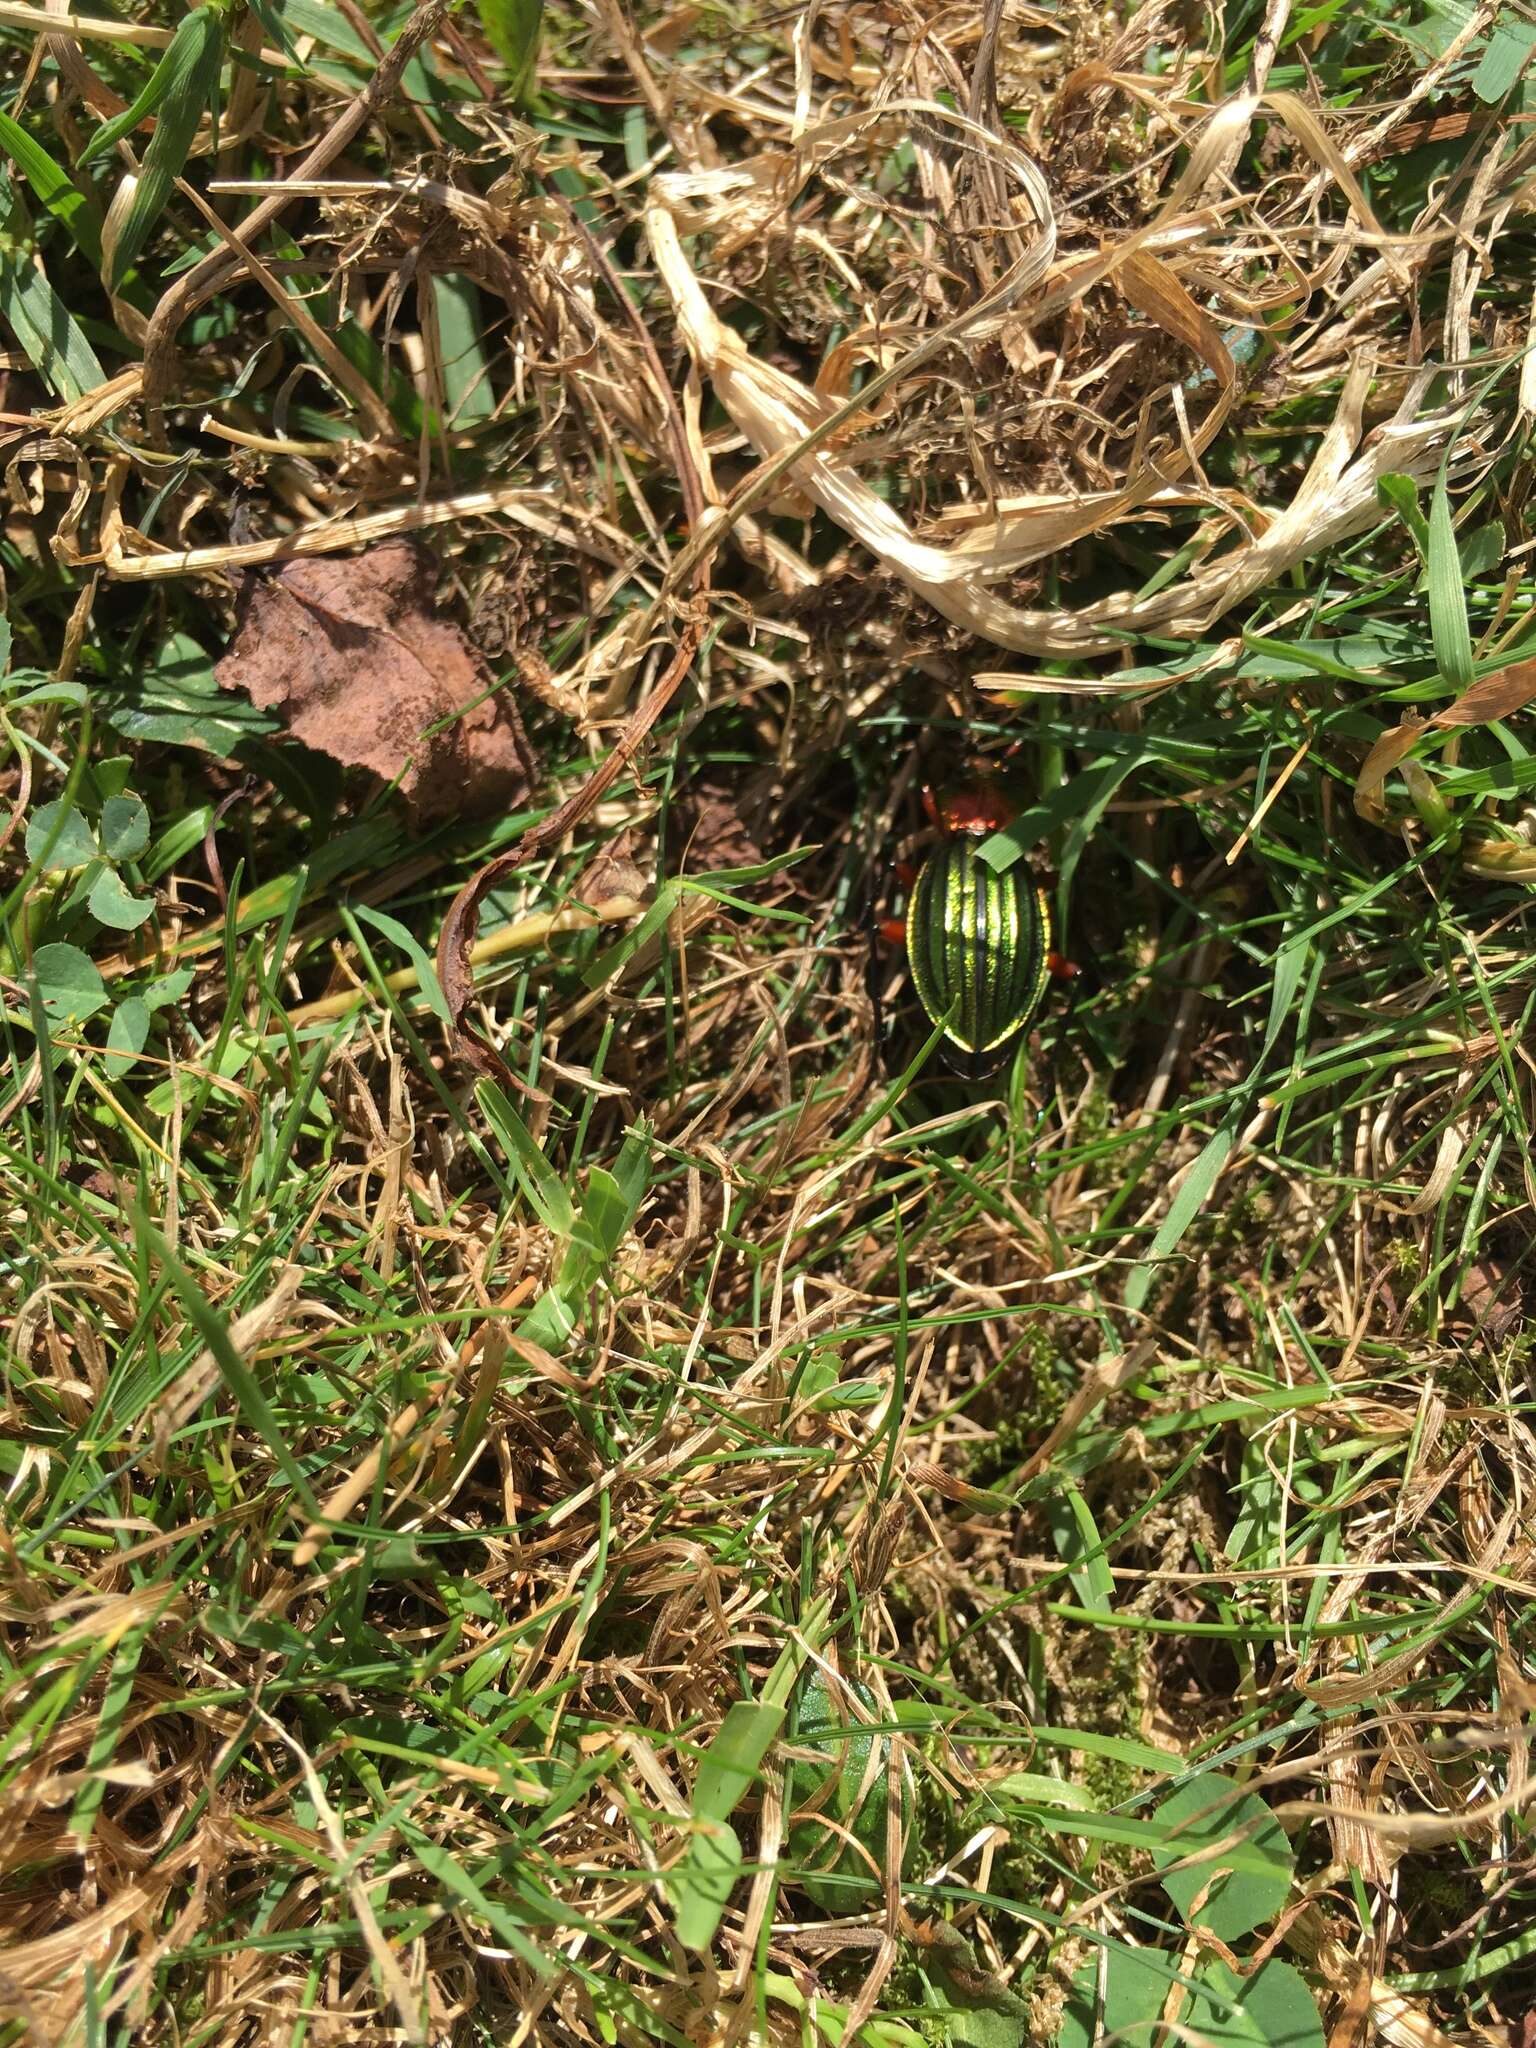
<point x="1031" y="1396"/>
<point x="1109" y="1779"/>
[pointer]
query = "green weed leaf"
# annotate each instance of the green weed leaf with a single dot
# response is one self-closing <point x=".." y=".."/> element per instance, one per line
<point x="178" y="700"/>
<point x="168" y="988"/>
<point x="1117" y="1997"/>
<point x="1244" y="1885"/>
<point x="513" y="29"/>
<point x="59" y="839"/>
<point x="111" y="904"/>
<point x="69" y="983"/>
<point x="1509" y="48"/>
<point x="128" y="1033"/>
<point x="607" y="1211"/>
<point x="700" y="1884"/>
<point x="545" y="1190"/>
<point x="1271" y="2009"/>
<point x="124" y="827"/>
<point x="843" y="1782"/>
<point x="1080" y="1545"/>
<point x="982" y="2011"/>
<point x="828" y="2022"/>
<point x="731" y="1763"/>
<point x="1400" y="494"/>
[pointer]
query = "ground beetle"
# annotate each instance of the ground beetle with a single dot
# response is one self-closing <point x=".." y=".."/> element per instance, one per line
<point x="978" y="941"/>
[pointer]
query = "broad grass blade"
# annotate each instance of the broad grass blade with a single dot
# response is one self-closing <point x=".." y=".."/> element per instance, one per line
<point x="183" y="86"/>
<point x="52" y="186"/>
<point x="1447" y="594"/>
<point x="513" y="29"/>
<point x="45" y="328"/>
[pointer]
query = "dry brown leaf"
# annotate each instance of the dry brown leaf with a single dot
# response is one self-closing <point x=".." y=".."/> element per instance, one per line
<point x="1496" y="696"/>
<point x="1153" y="289"/>
<point x="1491" y="697"/>
<point x="1394" y="745"/>
<point x="355" y="660"/>
<point x="615" y="872"/>
<point x="1352" y="2027"/>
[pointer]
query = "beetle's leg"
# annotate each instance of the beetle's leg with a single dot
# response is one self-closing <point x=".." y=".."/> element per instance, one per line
<point x="893" y="930"/>
<point x="1059" y="968"/>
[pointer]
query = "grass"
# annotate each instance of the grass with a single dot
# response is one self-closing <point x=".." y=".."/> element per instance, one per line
<point x="722" y="1532"/>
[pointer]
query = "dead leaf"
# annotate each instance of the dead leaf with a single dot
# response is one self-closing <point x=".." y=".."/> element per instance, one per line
<point x="1481" y="703"/>
<point x="352" y="655"/>
<point x="1154" y="290"/>
<point x="1351" y="2026"/>
<point x="1394" y="745"/>
<point x="1091" y="77"/>
<point x="615" y="872"/>
<point x="1490" y="1297"/>
<point x="1490" y="697"/>
<point x="710" y="831"/>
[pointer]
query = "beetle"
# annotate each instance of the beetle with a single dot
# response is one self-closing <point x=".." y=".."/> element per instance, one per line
<point x="979" y="942"/>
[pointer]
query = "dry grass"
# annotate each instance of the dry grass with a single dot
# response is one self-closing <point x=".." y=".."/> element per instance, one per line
<point x="405" y="1481"/>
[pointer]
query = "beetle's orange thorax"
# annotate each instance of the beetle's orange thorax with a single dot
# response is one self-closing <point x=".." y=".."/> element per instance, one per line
<point x="974" y="809"/>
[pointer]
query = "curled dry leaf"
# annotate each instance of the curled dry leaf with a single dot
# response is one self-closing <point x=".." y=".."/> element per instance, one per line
<point x="615" y="872"/>
<point x="1394" y="745"/>
<point x="354" y="658"/>
<point x="1496" y="696"/>
<point x="1493" y="697"/>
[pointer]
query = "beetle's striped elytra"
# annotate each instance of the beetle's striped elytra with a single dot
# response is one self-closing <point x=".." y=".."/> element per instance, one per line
<point x="978" y="943"/>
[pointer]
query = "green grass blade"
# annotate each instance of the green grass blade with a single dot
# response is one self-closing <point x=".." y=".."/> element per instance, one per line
<point x="184" y="86"/>
<point x="460" y="321"/>
<point x="53" y="187"/>
<point x="47" y="331"/>
<point x="182" y="56"/>
<point x="513" y="28"/>
<point x="546" y="1192"/>
<point x="1448" y="626"/>
<point x="233" y="1370"/>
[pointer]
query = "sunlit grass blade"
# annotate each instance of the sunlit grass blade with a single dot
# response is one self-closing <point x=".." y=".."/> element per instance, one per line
<point x="52" y="186"/>
<point x="514" y="29"/>
<point x="1448" y="594"/>
<point x="45" y="328"/>
<point x="182" y="88"/>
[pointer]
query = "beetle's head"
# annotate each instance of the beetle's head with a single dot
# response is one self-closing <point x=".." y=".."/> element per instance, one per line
<point x="975" y="808"/>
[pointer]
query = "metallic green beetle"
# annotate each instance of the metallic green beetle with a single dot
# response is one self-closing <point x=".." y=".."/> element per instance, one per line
<point x="978" y="942"/>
